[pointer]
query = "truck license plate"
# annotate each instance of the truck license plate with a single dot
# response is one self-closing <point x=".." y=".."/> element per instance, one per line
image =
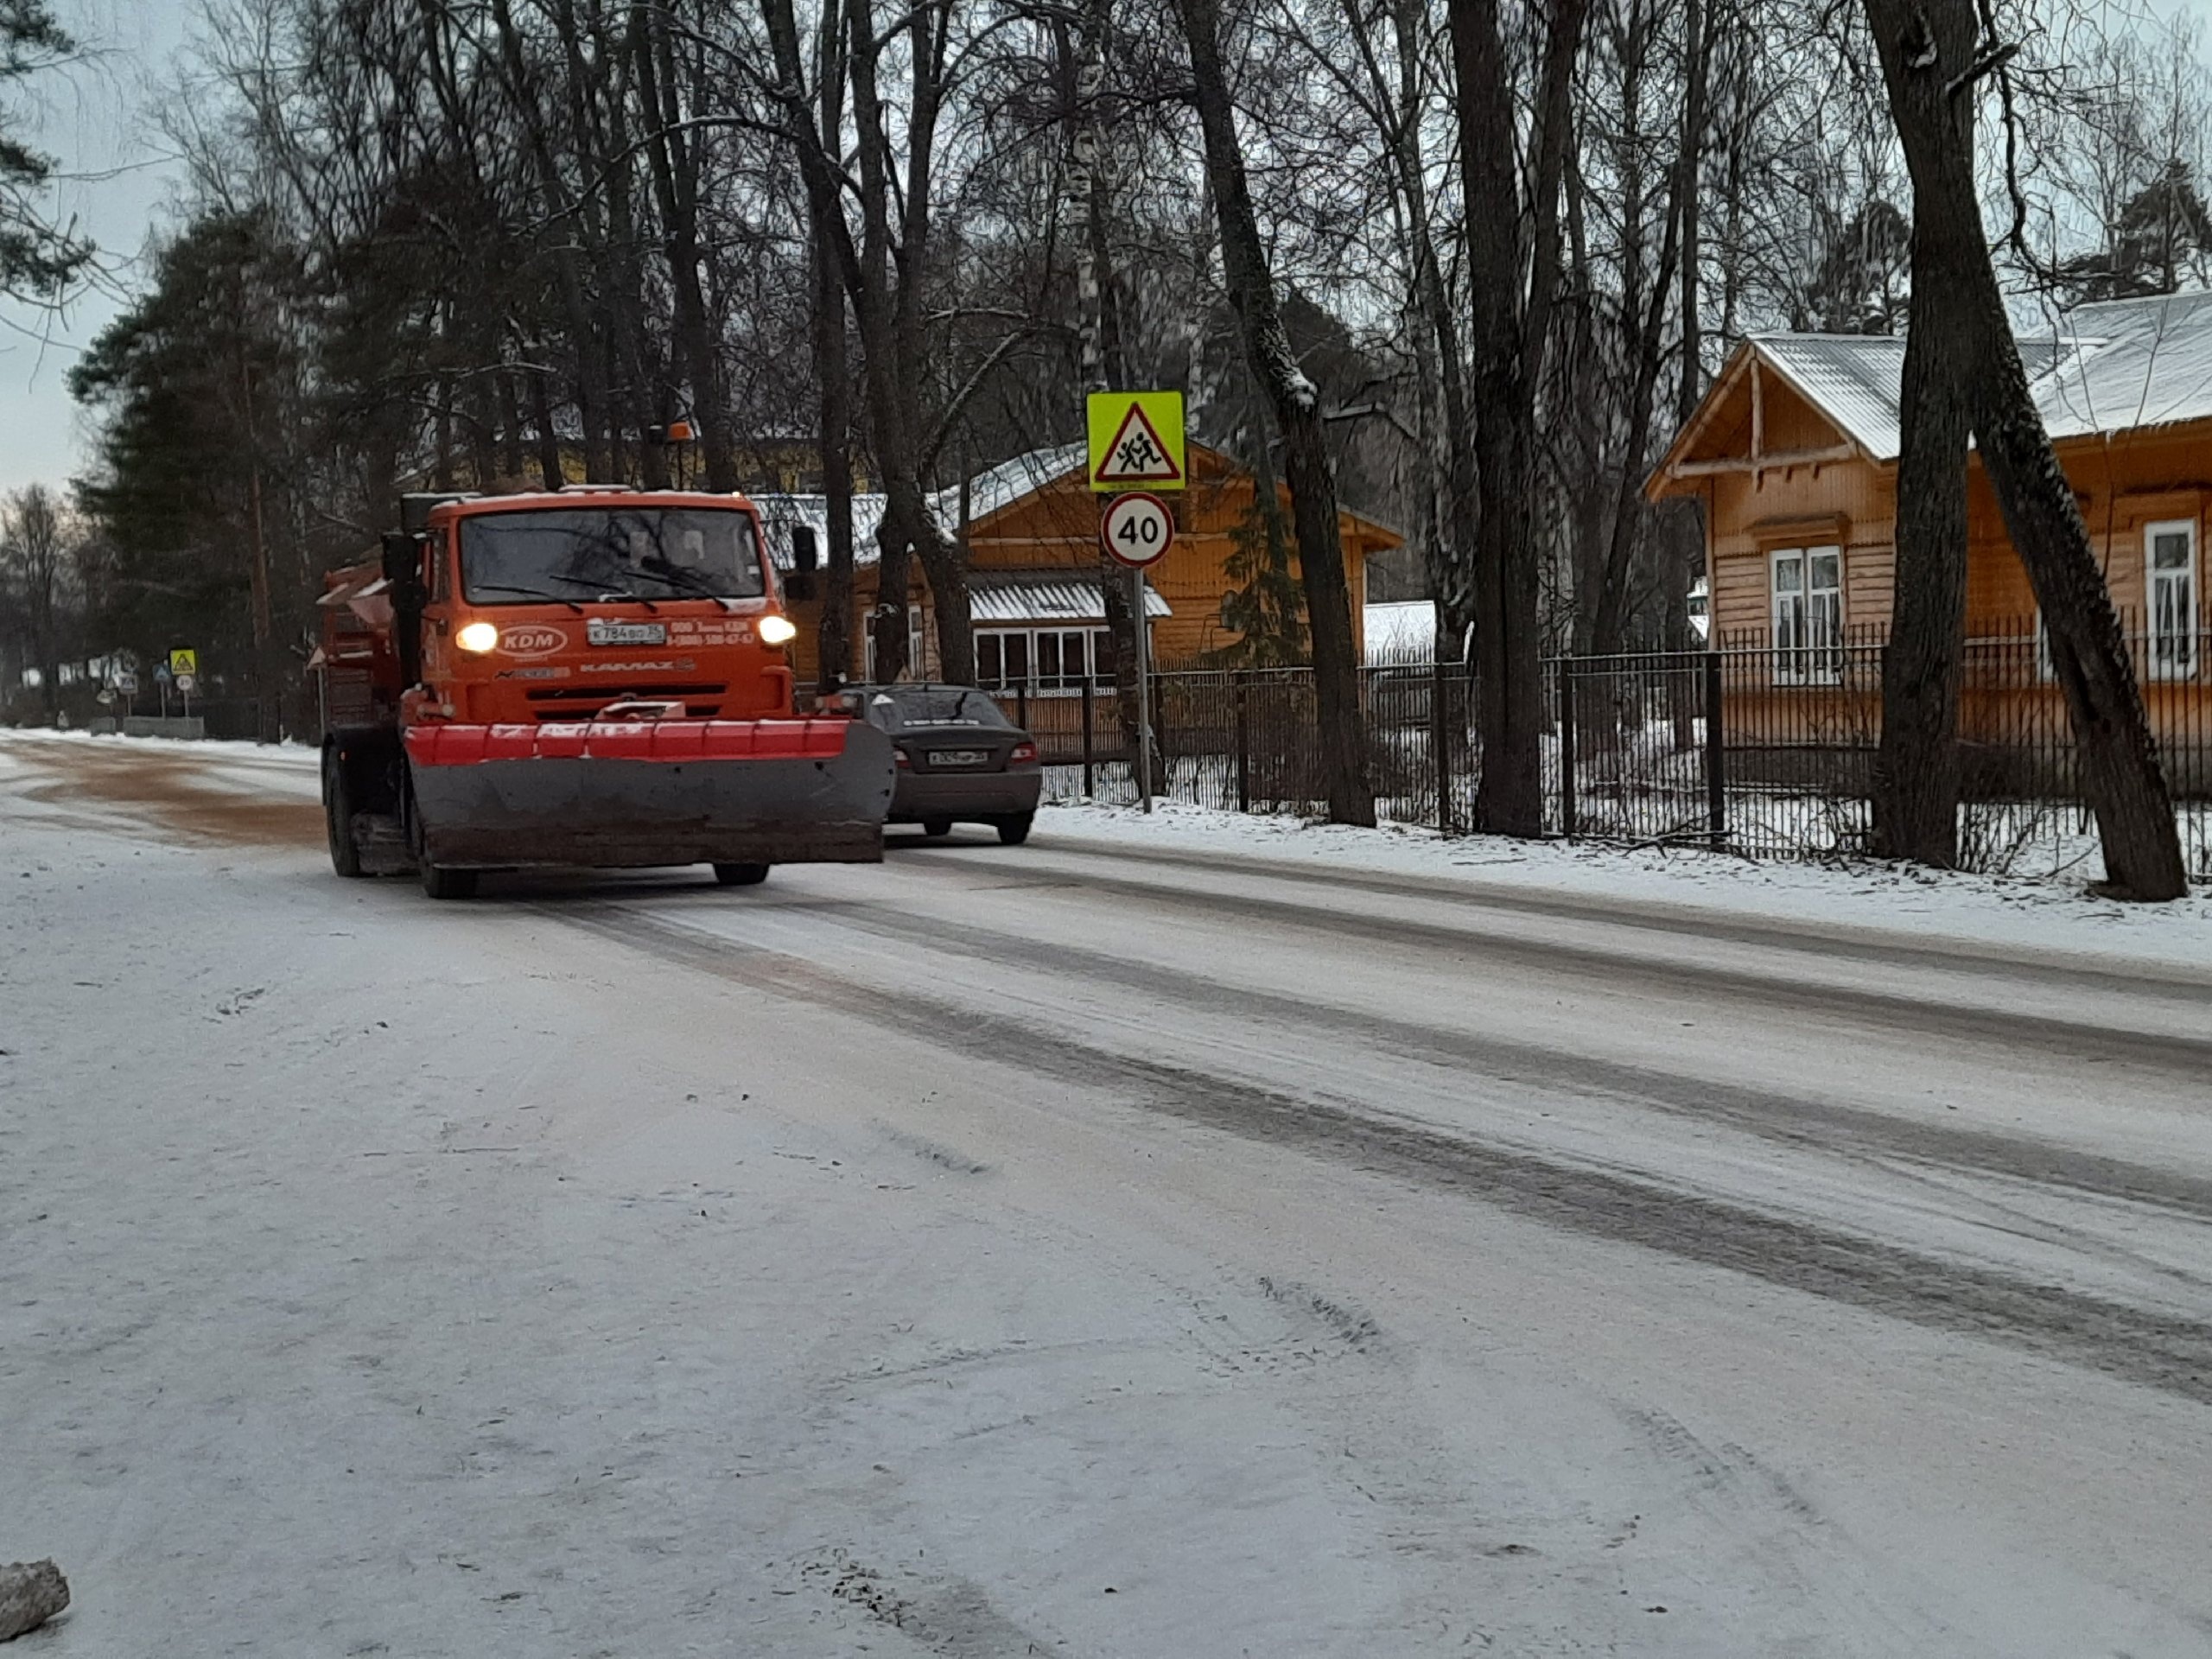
<point x="601" y="631"/>
<point x="960" y="757"/>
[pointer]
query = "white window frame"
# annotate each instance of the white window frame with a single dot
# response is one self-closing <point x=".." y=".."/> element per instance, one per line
<point x="916" y="644"/>
<point x="2171" y="625"/>
<point x="1806" y="633"/>
<point x="1062" y="685"/>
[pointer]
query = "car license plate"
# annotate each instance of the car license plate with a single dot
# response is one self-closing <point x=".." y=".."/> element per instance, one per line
<point x="601" y="631"/>
<point x="960" y="757"/>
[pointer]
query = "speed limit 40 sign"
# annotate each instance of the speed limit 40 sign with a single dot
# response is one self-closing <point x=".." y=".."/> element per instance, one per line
<point x="1137" y="529"/>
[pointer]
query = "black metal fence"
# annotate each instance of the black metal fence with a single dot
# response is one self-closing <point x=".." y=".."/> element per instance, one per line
<point x="1749" y="748"/>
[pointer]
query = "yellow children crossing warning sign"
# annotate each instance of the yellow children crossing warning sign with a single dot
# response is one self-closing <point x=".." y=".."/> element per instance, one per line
<point x="184" y="662"/>
<point x="1137" y="440"/>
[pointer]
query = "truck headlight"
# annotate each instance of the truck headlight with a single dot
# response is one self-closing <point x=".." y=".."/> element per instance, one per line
<point x="478" y="636"/>
<point x="777" y="630"/>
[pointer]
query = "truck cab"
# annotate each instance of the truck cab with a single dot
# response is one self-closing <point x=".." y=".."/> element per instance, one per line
<point x="562" y="606"/>
<point x="590" y="677"/>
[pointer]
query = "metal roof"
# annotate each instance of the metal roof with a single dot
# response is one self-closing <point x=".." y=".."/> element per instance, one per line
<point x="2125" y="364"/>
<point x="1853" y="379"/>
<point x="1007" y="482"/>
<point x="779" y="513"/>
<point x="2108" y="367"/>
<point x="1046" y="597"/>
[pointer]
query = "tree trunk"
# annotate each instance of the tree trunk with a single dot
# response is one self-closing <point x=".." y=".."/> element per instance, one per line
<point x="1307" y="466"/>
<point x="1511" y="337"/>
<point x="834" y="640"/>
<point x="1926" y="71"/>
<point x="833" y="379"/>
<point x="1083" y="82"/>
<point x="1916" y="767"/>
<point x="675" y="168"/>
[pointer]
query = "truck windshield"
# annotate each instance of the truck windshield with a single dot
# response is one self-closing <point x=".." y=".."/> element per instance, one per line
<point x="579" y="553"/>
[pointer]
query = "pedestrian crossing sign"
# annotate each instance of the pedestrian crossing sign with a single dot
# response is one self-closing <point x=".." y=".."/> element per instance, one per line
<point x="1137" y="440"/>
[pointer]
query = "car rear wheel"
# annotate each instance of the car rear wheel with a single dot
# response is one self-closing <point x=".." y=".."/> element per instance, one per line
<point x="937" y="826"/>
<point x="1016" y="830"/>
<point x="741" y="875"/>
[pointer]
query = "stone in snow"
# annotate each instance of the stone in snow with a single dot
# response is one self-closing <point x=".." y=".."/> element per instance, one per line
<point x="30" y="1593"/>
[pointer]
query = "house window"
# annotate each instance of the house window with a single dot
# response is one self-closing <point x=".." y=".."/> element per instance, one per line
<point x="1045" y="661"/>
<point x="2170" y="550"/>
<point x="914" y="644"/>
<point x="1808" y="615"/>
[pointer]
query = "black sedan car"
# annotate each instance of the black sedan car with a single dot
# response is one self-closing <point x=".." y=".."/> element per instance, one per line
<point x="961" y="760"/>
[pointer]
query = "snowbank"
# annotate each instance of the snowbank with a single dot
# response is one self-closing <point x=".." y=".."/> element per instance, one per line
<point x="2045" y="912"/>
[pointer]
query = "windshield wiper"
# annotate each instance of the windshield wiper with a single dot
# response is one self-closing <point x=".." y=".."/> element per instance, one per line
<point x="527" y="593"/>
<point x="690" y="581"/>
<point x="599" y="590"/>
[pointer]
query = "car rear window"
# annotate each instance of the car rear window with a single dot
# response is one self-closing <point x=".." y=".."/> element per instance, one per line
<point x="894" y="707"/>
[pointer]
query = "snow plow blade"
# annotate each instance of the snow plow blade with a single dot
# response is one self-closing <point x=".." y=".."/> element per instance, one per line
<point x="611" y="794"/>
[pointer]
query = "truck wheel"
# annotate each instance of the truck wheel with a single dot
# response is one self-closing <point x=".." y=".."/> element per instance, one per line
<point x="1016" y="830"/>
<point x="937" y="826"/>
<point x="338" y="816"/>
<point x="741" y="875"/>
<point x="442" y="883"/>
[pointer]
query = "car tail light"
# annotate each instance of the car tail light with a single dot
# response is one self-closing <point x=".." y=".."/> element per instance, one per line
<point x="902" y="758"/>
<point x="1025" y="755"/>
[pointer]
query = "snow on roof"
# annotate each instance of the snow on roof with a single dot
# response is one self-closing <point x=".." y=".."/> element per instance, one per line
<point x="1400" y="630"/>
<point x="989" y="491"/>
<point x="1852" y="378"/>
<point x="2108" y="367"/>
<point x="1046" y="597"/>
<point x="780" y="513"/>
<point x="2131" y="363"/>
<point x="1007" y="482"/>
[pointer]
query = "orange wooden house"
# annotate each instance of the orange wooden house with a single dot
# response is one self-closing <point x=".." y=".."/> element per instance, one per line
<point x="1793" y="455"/>
<point x="1031" y="527"/>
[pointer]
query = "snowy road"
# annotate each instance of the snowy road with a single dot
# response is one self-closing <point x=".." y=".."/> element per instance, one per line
<point x="1087" y="1248"/>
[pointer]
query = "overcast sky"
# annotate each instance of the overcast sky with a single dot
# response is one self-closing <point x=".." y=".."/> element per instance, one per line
<point x="96" y="122"/>
<point x="99" y="123"/>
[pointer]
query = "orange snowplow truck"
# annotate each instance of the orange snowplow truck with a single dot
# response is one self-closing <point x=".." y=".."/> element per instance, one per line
<point x="593" y="676"/>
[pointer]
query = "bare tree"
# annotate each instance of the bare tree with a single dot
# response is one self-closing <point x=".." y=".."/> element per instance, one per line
<point x="1514" y="272"/>
<point x="1307" y="466"/>
<point x="36" y="559"/>
<point x="1933" y="52"/>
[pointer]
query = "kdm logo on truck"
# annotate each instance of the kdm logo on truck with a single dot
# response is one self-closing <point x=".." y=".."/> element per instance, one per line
<point x="531" y="640"/>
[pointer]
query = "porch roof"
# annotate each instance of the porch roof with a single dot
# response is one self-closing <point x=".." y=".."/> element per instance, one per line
<point x="1045" y="597"/>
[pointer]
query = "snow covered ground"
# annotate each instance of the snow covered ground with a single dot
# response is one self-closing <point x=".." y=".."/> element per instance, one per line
<point x="1167" y="1238"/>
<point x="2047" y="913"/>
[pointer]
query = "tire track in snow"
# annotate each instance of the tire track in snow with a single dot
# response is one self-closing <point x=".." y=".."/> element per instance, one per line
<point x="1794" y="1120"/>
<point x="2176" y="1053"/>
<point x="1686" y="920"/>
<point x="2050" y="1321"/>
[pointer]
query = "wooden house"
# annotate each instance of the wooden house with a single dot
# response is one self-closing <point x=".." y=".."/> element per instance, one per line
<point x="1030" y="528"/>
<point x="1793" y="455"/>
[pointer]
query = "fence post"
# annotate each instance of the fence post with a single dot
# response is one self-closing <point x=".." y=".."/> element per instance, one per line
<point x="1567" y="816"/>
<point x="1716" y="773"/>
<point x="1243" y="746"/>
<point x="1440" y="742"/>
<point x="1087" y="757"/>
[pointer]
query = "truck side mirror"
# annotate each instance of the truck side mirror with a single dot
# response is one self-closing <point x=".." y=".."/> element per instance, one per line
<point x="805" y="555"/>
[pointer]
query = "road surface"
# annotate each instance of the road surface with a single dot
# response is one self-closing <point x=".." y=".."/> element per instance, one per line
<point x="1068" y="1250"/>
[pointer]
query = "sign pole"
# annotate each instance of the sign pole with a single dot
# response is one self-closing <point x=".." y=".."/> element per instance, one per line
<point x="1144" y="689"/>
